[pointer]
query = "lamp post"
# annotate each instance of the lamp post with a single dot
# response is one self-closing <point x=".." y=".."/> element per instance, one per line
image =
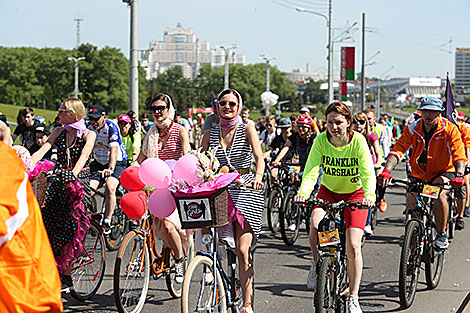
<point x="227" y="55"/>
<point x="265" y="58"/>
<point x="133" y="70"/>
<point x="76" y="92"/>
<point x="330" y="47"/>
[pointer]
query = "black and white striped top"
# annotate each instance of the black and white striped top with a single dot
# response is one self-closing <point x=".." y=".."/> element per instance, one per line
<point x="240" y="156"/>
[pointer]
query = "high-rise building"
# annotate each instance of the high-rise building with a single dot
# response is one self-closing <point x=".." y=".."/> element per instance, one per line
<point x="462" y="74"/>
<point x="180" y="47"/>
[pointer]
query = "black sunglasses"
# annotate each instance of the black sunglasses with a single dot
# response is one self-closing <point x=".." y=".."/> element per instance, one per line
<point x="362" y="122"/>
<point x="93" y="119"/>
<point x="231" y="103"/>
<point x="158" y="108"/>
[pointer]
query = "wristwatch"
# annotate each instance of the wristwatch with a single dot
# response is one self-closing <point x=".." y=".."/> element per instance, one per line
<point x="111" y="169"/>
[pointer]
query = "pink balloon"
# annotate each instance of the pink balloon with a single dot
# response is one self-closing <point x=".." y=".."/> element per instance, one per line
<point x="155" y="173"/>
<point x="186" y="168"/>
<point x="171" y="164"/>
<point x="162" y="203"/>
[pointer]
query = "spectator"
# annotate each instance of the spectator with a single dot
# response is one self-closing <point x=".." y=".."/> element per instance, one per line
<point x="25" y="128"/>
<point x="145" y="122"/>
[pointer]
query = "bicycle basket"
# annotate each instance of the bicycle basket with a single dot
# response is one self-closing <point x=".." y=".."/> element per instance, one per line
<point x="204" y="209"/>
<point x="39" y="184"/>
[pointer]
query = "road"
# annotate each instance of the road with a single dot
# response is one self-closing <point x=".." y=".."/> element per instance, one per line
<point x="280" y="274"/>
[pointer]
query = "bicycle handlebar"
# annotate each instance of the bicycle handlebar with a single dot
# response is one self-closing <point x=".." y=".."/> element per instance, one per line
<point x="336" y="206"/>
<point x="407" y="184"/>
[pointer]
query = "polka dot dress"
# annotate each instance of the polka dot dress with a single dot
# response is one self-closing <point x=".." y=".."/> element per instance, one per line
<point x="56" y="212"/>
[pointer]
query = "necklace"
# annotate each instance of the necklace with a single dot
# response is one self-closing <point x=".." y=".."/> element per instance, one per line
<point x="167" y="130"/>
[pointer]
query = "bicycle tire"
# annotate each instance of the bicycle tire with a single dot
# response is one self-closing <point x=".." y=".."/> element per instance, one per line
<point x="119" y="228"/>
<point x="341" y="304"/>
<point x="128" y="269"/>
<point x="88" y="269"/>
<point x="434" y="263"/>
<point x="374" y="216"/>
<point x="274" y="206"/>
<point x="409" y="263"/>
<point x="308" y="213"/>
<point x="289" y="218"/>
<point x="450" y="219"/>
<point x="169" y="259"/>
<point x="194" y="280"/>
<point x="325" y="292"/>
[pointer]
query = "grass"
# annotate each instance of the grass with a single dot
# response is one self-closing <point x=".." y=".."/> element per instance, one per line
<point x="11" y="111"/>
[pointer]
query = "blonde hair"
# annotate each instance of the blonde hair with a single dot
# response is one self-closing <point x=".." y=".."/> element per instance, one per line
<point x="76" y="106"/>
<point x="362" y="116"/>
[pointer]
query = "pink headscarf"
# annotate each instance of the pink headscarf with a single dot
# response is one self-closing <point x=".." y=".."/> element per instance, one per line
<point x="229" y="123"/>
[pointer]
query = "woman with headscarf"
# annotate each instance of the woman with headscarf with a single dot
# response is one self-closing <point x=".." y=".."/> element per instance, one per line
<point x="167" y="140"/>
<point x="236" y="144"/>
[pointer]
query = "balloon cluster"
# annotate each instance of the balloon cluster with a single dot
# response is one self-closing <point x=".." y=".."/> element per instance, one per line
<point x="155" y="173"/>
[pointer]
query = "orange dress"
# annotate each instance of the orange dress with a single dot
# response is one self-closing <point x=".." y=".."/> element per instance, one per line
<point x="29" y="280"/>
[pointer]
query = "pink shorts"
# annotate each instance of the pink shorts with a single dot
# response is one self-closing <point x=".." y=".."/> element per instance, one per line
<point x="354" y="218"/>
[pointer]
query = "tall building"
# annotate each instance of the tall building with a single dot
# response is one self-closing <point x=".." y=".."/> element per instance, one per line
<point x="462" y="74"/>
<point x="180" y="47"/>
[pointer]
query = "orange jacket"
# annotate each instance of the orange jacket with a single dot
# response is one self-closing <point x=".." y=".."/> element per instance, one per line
<point x="465" y="133"/>
<point x="29" y="280"/>
<point x="444" y="150"/>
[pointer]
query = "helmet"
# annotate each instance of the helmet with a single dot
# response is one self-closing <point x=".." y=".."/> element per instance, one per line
<point x="304" y="120"/>
<point x="40" y="119"/>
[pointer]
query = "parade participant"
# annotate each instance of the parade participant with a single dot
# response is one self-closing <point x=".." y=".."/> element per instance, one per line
<point x="352" y="179"/>
<point x="267" y="136"/>
<point x="167" y="140"/>
<point x="145" y="122"/>
<point x="130" y="137"/>
<point x="25" y="129"/>
<point x="69" y="195"/>
<point x="379" y="130"/>
<point x="438" y="156"/>
<point x="236" y="144"/>
<point x="460" y="194"/>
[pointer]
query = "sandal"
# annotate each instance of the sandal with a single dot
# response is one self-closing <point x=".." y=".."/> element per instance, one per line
<point x="247" y="309"/>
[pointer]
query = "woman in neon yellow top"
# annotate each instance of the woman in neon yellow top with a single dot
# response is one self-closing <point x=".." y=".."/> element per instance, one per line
<point x="130" y="137"/>
<point x="348" y="174"/>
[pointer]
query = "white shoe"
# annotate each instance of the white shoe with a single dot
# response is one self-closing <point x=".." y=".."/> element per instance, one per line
<point x="312" y="277"/>
<point x="368" y="230"/>
<point x="292" y="227"/>
<point x="353" y="305"/>
<point x="179" y="272"/>
<point x="226" y="236"/>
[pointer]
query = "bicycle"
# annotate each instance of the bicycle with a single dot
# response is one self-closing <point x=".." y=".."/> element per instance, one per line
<point x="332" y="289"/>
<point x="139" y="257"/>
<point x="420" y="231"/>
<point x="207" y="287"/>
<point x="277" y="190"/>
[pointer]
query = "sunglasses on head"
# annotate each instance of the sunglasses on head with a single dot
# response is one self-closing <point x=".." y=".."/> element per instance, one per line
<point x="158" y="108"/>
<point x="362" y="122"/>
<point x="231" y="103"/>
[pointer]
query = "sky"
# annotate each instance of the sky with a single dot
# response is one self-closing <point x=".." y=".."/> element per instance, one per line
<point x="404" y="38"/>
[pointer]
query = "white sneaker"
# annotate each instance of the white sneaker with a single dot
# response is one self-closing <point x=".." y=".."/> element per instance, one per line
<point x="353" y="305"/>
<point x="368" y="230"/>
<point x="292" y="227"/>
<point x="179" y="272"/>
<point x="312" y="277"/>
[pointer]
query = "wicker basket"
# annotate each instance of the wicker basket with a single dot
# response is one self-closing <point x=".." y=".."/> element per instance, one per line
<point x="39" y="184"/>
<point x="201" y="210"/>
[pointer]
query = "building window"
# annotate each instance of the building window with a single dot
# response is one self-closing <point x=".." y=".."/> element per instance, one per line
<point x="179" y="57"/>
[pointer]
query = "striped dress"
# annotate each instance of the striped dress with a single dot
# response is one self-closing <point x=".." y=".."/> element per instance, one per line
<point x="239" y="156"/>
<point x="173" y="149"/>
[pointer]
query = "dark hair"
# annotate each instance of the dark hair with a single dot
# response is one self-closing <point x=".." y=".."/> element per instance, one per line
<point x="341" y="108"/>
<point x="3" y="118"/>
<point x="144" y="115"/>
<point x="162" y="97"/>
<point x="20" y="118"/>
<point x="131" y="114"/>
<point x="228" y="91"/>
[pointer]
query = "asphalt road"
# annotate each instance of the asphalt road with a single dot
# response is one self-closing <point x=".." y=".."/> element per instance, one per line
<point x="280" y="274"/>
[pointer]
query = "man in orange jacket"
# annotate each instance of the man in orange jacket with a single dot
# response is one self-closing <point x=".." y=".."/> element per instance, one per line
<point x="29" y="280"/>
<point x="461" y="195"/>
<point x="438" y="156"/>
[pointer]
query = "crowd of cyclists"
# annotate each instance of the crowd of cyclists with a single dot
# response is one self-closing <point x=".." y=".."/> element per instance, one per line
<point x="341" y="157"/>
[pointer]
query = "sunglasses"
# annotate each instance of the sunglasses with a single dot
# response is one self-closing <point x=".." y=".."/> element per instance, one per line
<point x="158" y="108"/>
<point x="269" y="125"/>
<point x="92" y="119"/>
<point x="231" y="103"/>
<point x="122" y="123"/>
<point x="362" y="122"/>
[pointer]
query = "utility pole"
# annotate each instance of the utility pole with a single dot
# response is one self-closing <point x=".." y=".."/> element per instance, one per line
<point x="378" y="89"/>
<point x="265" y="58"/>
<point x="134" y="64"/>
<point x="227" y="56"/>
<point x="76" y="92"/>
<point x="196" y="69"/>
<point x="78" y="20"/>
<point x="363" y="74"/>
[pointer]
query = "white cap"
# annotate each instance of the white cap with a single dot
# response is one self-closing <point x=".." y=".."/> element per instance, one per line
<point x="305" y="109"/>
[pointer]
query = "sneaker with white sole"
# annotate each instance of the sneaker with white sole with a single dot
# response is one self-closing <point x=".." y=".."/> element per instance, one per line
<point x="312" y="277"/>
<point x="292" y="227"/>
<point x="179" y="272"/>
<point x="227" y="236"/>
<point x="353" y="305"/>
<point x="441" y="241"/>
<point x="368" y="230"/>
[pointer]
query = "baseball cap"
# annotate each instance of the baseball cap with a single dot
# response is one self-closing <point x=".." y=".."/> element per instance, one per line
<point x="431" y="103"/>
<point x="96" y="111"/>
<point x="41" y="128"/>
<point x="284" y="122"/>
<point x="305" y="110"/>
<point x="124" y="118"/>
<point x="460" y="116"/>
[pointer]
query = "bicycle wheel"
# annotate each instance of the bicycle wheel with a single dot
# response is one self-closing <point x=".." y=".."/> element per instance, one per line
<point x="274" y="206"/>
<point x="173" y="287"/>
<point x="132" y="273"/>
<point x="434" y="263"/>
<point x="88" y="269"/>
<point x="409" y="264"/>
<point x="198" y="288"/>
<point x="119" y="228"/>
<point x="289" y="218"/>
<point x="343" y="283"/>
<point x="307" y="214"/>
<point x="323" y="299"/>
<point x="373" y="222"/>
<point x="450" y="219"/>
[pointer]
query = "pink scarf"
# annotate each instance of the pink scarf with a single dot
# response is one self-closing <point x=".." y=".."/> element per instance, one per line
<point x="229" y="123"/>
<point x="78" y="125"/>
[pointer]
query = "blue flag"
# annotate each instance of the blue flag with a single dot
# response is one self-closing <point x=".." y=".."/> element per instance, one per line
<point x="451" y="112"/>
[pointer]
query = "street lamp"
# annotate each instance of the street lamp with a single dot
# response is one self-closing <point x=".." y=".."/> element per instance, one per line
<point x="330" y="47"/>
<point x="227" y="55"/>
<point x="76" y="92"/>
<point x="265" y="58"/>
<point x="134" y="66"/>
